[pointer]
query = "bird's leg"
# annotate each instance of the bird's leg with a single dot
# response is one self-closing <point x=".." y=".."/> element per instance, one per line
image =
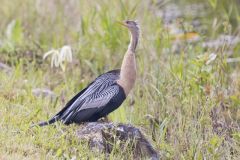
<point x="104" y="119"/>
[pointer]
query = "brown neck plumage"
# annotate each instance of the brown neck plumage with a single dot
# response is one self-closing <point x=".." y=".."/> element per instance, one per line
<point x="128" y="68"/>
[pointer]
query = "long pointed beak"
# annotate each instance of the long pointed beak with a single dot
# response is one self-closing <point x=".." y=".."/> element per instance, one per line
<point x="122" y="23"/>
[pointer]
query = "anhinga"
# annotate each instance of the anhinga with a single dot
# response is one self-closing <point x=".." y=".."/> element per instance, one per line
<point x="106" y="93"/>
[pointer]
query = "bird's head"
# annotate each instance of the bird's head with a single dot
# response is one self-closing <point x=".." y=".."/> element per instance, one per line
<point x="134" y="30"/>
<point x="131" y="25"/>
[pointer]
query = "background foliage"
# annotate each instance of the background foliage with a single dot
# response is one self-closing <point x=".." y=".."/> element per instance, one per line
<point x="187" y="95"/>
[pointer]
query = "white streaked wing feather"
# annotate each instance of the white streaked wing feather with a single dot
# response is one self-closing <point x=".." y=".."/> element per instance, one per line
<point x="101" y="99"/>
<point x="100" y="84"/>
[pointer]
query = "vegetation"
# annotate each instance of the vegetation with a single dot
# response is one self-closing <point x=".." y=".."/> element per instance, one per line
<point x="186" y="98"/>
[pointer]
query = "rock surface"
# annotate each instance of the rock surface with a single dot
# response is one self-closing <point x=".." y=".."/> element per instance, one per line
<point x="102" y="135"/>
<point x="5" y="68"/>
<point x="43" y="92"/>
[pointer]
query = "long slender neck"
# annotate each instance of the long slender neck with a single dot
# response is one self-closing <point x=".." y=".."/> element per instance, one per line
<point x="134" y="41"/>
<point x="128" y="68"/>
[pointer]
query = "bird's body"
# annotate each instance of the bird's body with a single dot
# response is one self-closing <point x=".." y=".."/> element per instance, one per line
<point x="106" y="93"/>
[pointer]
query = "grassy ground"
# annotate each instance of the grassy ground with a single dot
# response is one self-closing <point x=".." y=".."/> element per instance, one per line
<point x="194" y="96"/>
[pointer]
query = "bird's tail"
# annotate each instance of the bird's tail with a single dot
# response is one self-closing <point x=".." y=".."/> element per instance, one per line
<point x="52" y="120"/>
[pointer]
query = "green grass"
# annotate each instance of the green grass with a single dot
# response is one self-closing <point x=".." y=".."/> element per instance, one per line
<point x="180" y="90"/>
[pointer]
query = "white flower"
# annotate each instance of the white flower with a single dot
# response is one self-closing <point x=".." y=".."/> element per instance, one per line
<point x="60" y="56"/>
<point x="10" y="28"/>
<point x="66" y="53"/>
<point x="211" y="58"/>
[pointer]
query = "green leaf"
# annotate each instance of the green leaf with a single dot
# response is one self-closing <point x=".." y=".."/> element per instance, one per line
<point x="59" y="152"/>
<point x="213" y="3"/>
<point x="14" y="32"/>
<point x="236" y="136"/>
<point x="215" y="141"/>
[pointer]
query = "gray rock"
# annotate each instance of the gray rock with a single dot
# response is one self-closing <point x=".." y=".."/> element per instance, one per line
<point x="43" y="92"/>
<point x="101" y="137"/>
<point x="227" y="40"/>
<point x="5" y="68"/>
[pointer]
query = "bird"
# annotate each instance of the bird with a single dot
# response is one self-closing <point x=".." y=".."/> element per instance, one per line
<point x="107" y="92"/>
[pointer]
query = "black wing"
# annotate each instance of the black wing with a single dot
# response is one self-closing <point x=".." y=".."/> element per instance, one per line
<point x="97" y="94"/>
<point x="93" y="103"/>
<point x="85" y="97"/>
